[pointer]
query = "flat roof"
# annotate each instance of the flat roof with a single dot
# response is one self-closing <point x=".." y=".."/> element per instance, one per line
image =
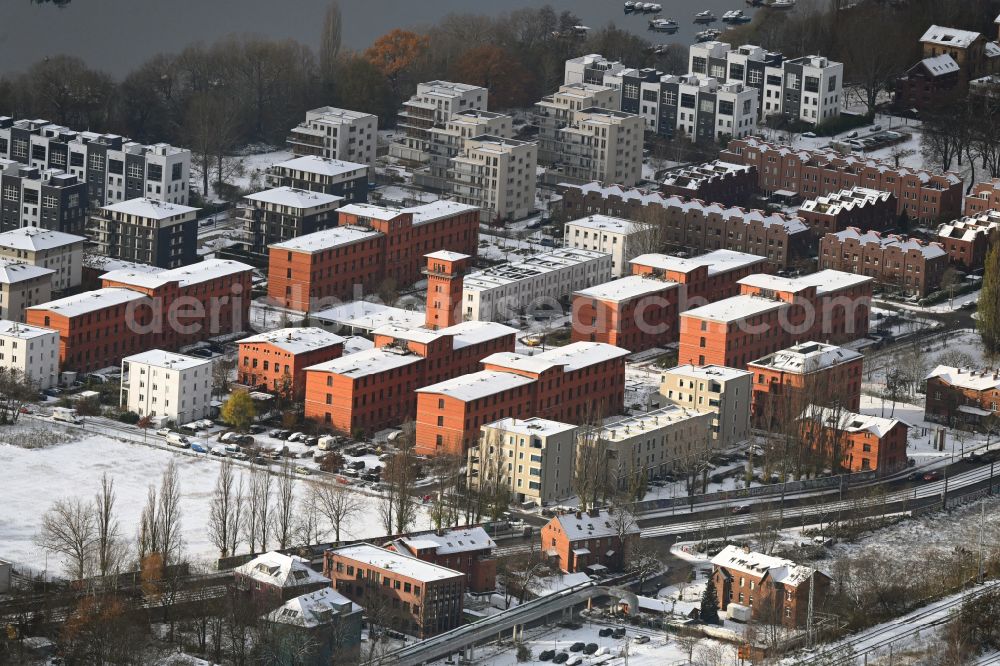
<point x="825" y="281"/>
<point x="150" y="208"/>
<point x="447" y="255"/>
<point x="195" y="273"/>
<point x="436" y="210"/>
<point x="721" y="373"/>
<point x="717" y="261"/>
<point x="369" y="316"/>
<point x="735" y="308"/>
<point x="627" y="288"/>
<point x="167" y="360"/>
<point x="605" y="223"/>
<point x="646" y="422"/>
<point x="294" y="197"/>
<point x="530" y="267"/>
<point x="318" y="241"/>
<point x="532" y="426"/>
<point x="90" y="301"/>
<point x="296" y="340"/>
<point x="397" y="562"/>
<point x="807" y="357"/>
<point x="370" y="362"/>
<point x="34" y="239"/>
<point x="15" y="329"/>
<point x="572" y="357"/>
<point x="477" y="385"/>
<point x="321" y="166"/>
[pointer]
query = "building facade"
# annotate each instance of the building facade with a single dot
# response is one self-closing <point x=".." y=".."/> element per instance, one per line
<point x="146" y="231"/>
<point x="983" y="197"/>
<point x="54" y="250"/>
<point x="896" y="263"/>
<point x="465" y="549"/>
<point x="275" y="361"/>
<point x="433" y="105"/>
<point x="43" y="198"/>
<point x="326" y="175"/>
<point x="620" y="238"/>
<point x="31" y="351"/>
<point x="728" y="184"/>
<point x="167" y="386"/>
<point x="724" y="392"/>
<point x="22" y="286"/>
<point x="698" y="107"/>
<point x="863" y="443"/>
<point x="968" y="239"/>
<point x="962" y="397"/>
<point x="858" y="207"/>
<point x="594" y="541"/>
<point x="284" y="213"/>
<point x="636" y="313"/>
<point x="337" y="134"/>
<point x="497" y="175"/>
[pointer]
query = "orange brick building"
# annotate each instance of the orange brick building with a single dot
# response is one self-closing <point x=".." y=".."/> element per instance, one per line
<point x="772" y="313"/>
<point x="983" y="197"/>
<point x="276" y="361"/>
<point x="864" y="442"/>
<point x="371" y="244"/>
<point x="465" y="549"/>
<point x="596" y="540"/>
<point x="922" y="195"/>
<point x="706" y="278"/>
<point x="420" y="599"/>
<point x="374" y="389"/>
<point x="581" y="381"/>
<point x="962" y="397"/>
<point x="897" y="263"/>
<point x="785" y="382"/>
<point x="139" y="310"/>
<point x="968" y="240"/>
<point x="445" y="272"/>
<point x="774" y="589"/>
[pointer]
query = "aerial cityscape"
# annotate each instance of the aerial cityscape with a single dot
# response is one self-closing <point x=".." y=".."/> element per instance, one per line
<point x="593" y="333"/>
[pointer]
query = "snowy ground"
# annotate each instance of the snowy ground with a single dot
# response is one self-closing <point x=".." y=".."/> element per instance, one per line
<point x="34" y="478"/>
<point x="252" y="167"/>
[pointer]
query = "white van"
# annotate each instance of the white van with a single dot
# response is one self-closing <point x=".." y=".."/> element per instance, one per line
<point x="327" y="443"/>
<point x="65" y="414"/>
<point x="177" y="439"/>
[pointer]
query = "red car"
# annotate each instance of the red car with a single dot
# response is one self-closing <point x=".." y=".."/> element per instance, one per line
<point x="932" y="476"/>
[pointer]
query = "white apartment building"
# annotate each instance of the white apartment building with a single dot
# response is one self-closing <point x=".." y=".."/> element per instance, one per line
<point x="652" y="444"/>
<point x="506" y="291"/>
<point x="339" y="134"/>
<point x="167" y="386"/>
<point x="616" y="236"/>
<point x="433" y="105"/>
<point x="31" y="350"/>
<point x="56" y="250"/>
<point x="725" y="392"/>
<point x="22" y="286"/>
<point x="533" y="457"/>
<point x="496" y="174"/>
<point x="448" y="141"/>
<point x="699" y="106"/>
<point x="559" y="109"/>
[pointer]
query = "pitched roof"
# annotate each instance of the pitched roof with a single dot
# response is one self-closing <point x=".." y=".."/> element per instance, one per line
<point x="34" y="239"/>
<point x="974" y="380"/>
<point x="12" y="272"/>
<point x="281" y="570"/>
<point x="780" y="570"/>
<point x="296" y="340"/>
<point x="459" y="540"/>
<point x="313" y="609"/>
<point x="582" y="525"/>
<point x="849" y="421"/>
<point x="945" y="36"/>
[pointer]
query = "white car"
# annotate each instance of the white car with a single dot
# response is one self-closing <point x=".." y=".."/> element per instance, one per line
<point x="163" y="432"/>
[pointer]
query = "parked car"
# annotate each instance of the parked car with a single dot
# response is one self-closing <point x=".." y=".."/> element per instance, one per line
<point x="198" y="447"/>
<point x="256" y="429"/>
<point x="275" y="433"/>
<point x="809" y="135"/>
<point x="590" y="649"/>
<point x="163" y="432"/>
<point x="560" y="658"/>
<point x="546" y="655"/>
<point x="642" y="640"/>
<point x="618" y="633"/>
<point x="284" y="434"/>
<point x="576" y="647"/>
<point x="575" y="660"/>
<point x="932" y="475"/>
<point x="219" y="451"/>
<point x="741" y="509"/>
<point x="303" y="470"/>
<point x="605" y="632"/>
<point x="297" y="437"/>
<point x="311" y="440"/>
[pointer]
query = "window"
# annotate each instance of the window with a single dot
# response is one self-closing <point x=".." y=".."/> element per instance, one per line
<point x="649" y="95"/>
<point x="812" y="84"/>
<point x="725" y="107"/>
<point x="630" y="91"/>
<point x="736" y="71"/>
<point x="699" y="65"/>
<point x="687" y="101"/>
<point x="154" y="172"/>
<point x="669" y="97"/>
<point x="116" y="167"/>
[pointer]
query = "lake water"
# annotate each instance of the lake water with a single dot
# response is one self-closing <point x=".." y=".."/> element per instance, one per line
<point x="116" y="35"/>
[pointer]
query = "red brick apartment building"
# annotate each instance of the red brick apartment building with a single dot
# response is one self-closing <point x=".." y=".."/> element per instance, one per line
<point x="420" y="598"/>
<point x="374" y="389"/>
<point x="371" y="244"/>
<point x="594" y="540"/>
<point x="573" y="383"/>
<point x="695" y="226"/>
<point x="276" y="361"/>
<point x="922" y="195"/>
<point x="968" y="240"/>
<point x="961" y="397"/>
<point x="858" y="207"/>
<point x="465" y="549"/>
<point x="273" y="578"/>
<point x="776" y="590"/>
<point x="728" y="184"/>
<point x="139" y="310"/>
<point x="984" y="197"/>
<point x="785" y="382"/>
<point x="897" y="264"/>
<point x="641" y="311"/>
<point x="865" y="443"/>
<point x="772" y="313"/>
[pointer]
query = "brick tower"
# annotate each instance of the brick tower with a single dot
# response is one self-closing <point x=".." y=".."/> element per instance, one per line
<point x="445" y="271"/>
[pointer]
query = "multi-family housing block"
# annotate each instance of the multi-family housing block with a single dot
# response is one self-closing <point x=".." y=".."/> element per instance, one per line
<point x="166" y="386"/>
<point x="862" y="443"/>
<point x="114" y="168"/>
<point x="922" y="195"/>
<point x="622" y="239"/>
<point x="339" y="134"/>
<point x="31" y="351"/>
<point x="858" y="207"/>
<point x="433" y="105"/>
<point x="448" y="141"/>
<point x="968" y="239"/>
<point x="497" y="175"/>
<point x="61" y="252"/>
<point x="276" y="361"/>
<point x="22" y="286"/>
<point x="983" y="197"/>
<point x="43" y="198"/>
<point x="722" y="182"/>
<point x="558" y="110"/>
<point x="590" y="542"/>
<point x="962" y="397"/>
<point x="465" y="549"/>
<point x="695" y="226"/>
<point x="281" y="214"/>
<point x="723" y="392"/>
<point x="897" y="263"/>
<point x="147" y="231"/>
<point x="699" y="107"/>
<point x="372" y="244"/>
<point x="322" y="174"/>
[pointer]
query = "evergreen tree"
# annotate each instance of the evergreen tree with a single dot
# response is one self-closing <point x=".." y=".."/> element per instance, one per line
<point x="988" y="321"/>
<point x="710" y="604"/>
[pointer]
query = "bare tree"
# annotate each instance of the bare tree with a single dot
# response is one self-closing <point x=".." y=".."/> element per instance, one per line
<point x="148" y="536"/>
<point x="69" y="528"/>
<point x="330" y="41"/>
<point x="338" y="504"/>
<point x="284" y="510"/>
<point x="222" y="369"/>
<point x="397" y="508"/>
<point x="259" y="509"/>
<point x="223" y="516"/>
<point x="169" y="515"/>
<point x="109" y="545"/>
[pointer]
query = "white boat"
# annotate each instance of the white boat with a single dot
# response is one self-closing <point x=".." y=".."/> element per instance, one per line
<point x="629" y="6"/>
<point x="653" y="7"/>
<point x="581" y="29"/>
<point x="705" y="17"/>
<point x="707" y="35"/>
<point x="781" y="4"/>
<point x="663" y="25"/>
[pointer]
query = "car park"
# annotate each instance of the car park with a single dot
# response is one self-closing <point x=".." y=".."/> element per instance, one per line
<point x="576" y="647"/>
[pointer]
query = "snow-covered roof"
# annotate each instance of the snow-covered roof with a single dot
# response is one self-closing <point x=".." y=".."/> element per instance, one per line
<point x="320" y="241"/>
<point x="321" y="166"/>
<point x="34" y="239"/>
<point x="167" y="360"/>
<point x="530" y="267"/>
<point x="944" y="36"/>
<point x="369" y="210"/>
<point x="843" y="200"/>
<point x="940" y="65"/>
<point x="605" y="223"/>
<point x="296" y="340"/>
<point x="12" y="272"/>
<point x="99" y="262"/>
<point x="582" y="525"/>
<point x="967" y="378"/>
<point x="15" y="329"/>
<point x="90" y="301"/>
<point x="627" y="288"/>
<point x="534" y="426"/>
<point x="370" y="362"/>
<point x="185" y="276"/>
<point x="735" y="308"/>
<point x="313" y="609"/>
<point x="395" y="562"/>
<point x="463" y="334"/>
<point x="280" y="570"/>
<point x="294" y="198"/>
<point x="642" y="425"/>
<point x="807" y="357"/>
<point x="477" y="385"/>
<point x="459" y="540"/>
<point x="824" y="281"/>
<point x="967" y="228"/>
<point x="779" y="569"/>
<point x="572" y="357"/>
<point x="717" y="261"/>
<point x="928" y="250"/>
<point x="369" y="316"/>
<point x="150" y="208"/>
<point x="850" y="422"/>
<point x="446" y="255"/>
<point x="719" y="373"/>
<point x="436" y="210"/>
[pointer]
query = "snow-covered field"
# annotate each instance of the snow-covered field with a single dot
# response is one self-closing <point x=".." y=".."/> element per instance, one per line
<point x="35" y="478"/>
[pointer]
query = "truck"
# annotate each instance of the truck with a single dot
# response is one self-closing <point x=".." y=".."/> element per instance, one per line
<point x="66" y="414"/>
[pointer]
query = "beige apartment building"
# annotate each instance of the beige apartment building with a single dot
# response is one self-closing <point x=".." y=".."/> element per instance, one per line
<point x="559" y="110"/>
<point x="602" y="145"/>
<point x="56" y="250"/>
<point x="533" y="457"/>
<point x="497" y="175"/>
<point x="22" y="286"/>
<point x="726" y="392"/>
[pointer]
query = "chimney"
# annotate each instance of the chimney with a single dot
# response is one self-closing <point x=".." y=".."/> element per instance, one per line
<point x="595" y="513"/>
<point x="746" y="549"/>
<point x="579" y="515"/>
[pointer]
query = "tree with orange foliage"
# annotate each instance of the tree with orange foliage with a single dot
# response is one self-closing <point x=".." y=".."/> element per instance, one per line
<point x="395" y="52"/>
<point x="99" y="631"/>
<point x="497" y="70"/>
